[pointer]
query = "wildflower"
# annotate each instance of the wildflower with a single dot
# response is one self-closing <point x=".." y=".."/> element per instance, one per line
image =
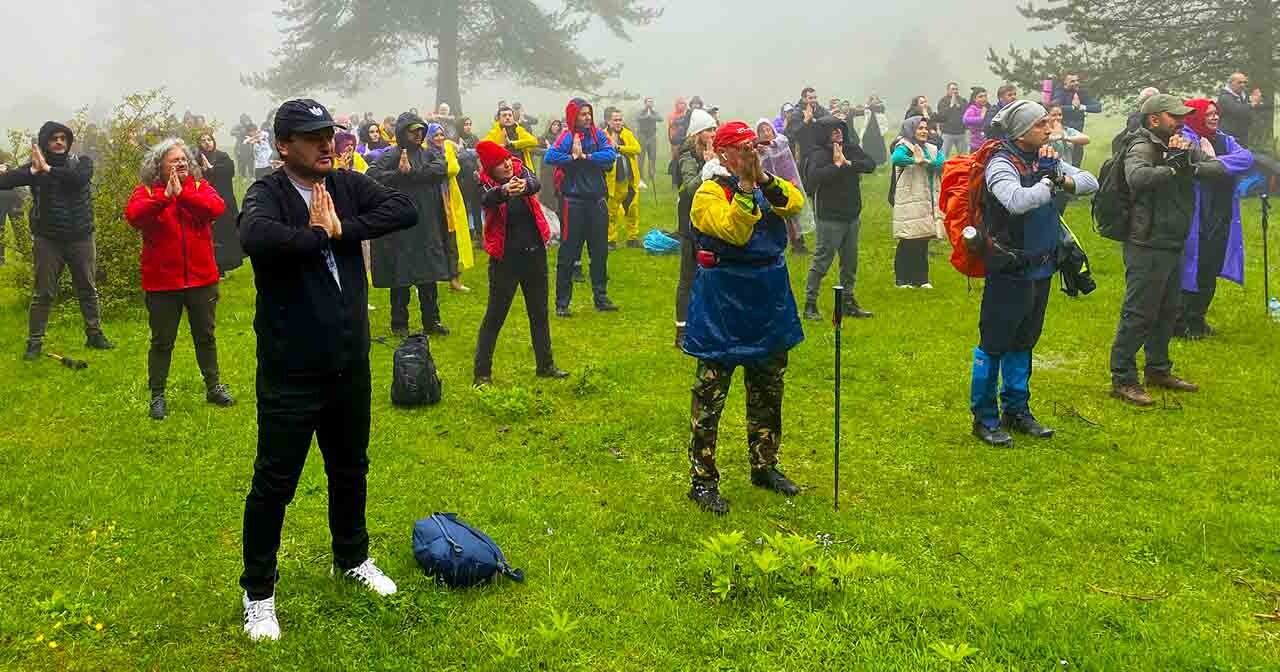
<point x="98" y="627"/>
<point x="57" y="626"/>
<point x="39" y="636"/>
<point x="88" y="620"/>
<point x="53" y="645"/>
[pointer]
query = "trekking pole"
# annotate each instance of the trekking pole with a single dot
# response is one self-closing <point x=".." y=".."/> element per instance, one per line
<point x="1266" y="259"/>
<point x="837" y="319"/>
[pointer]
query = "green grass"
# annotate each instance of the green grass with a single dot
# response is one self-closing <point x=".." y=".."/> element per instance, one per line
<point x="136" y="524"/>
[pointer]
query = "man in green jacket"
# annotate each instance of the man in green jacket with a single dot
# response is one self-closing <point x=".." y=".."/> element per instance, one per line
<point x="1159" y="167"/>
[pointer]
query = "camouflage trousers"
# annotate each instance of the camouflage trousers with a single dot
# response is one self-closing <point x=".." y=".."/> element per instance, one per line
<point x="764" y="414"/>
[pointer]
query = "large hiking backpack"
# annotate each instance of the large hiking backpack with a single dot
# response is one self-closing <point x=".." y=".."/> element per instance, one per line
<point x="1113" y="204"/>
<point x="960" y="199"/>
<point x="414" y="380"/>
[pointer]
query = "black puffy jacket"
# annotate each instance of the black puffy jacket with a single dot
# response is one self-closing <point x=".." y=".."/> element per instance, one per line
<point x="61" y="199"/>
<point x="837" y="190"/>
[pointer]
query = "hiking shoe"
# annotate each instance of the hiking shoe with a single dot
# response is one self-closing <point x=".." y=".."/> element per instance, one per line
<point x="613" y="247"/>
<point x="158" y="409"/>
<point x="634" y="244"/>
<point x="1025" y="423"/>
<point x="98" y="341"/>
<point x="400" y="332"/>
<point x="772" y="479"/>
<point x="260" y="619"/>
<point x="482" y="382"/>
<point x="606" y="305"/>
<point x="552" y="372"/>
<point x="811" y="312"/>
<point x="563" y="312"/>
<point x="368" y="575"/>
<point x="1170" y="382"/>
<point x="33" y="351"/>
<point x="680" y="338"/>
<point x="709" y="499"/>
<point x="852" y="309"/>
<point x="992" y="436"/>
<point x="437" y="329"/>
<point x="219" y="395"/>
<point x="1132" y="393"/>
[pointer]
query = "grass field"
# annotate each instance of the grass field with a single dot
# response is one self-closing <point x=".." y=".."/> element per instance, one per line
<point x="1134" y="540"/>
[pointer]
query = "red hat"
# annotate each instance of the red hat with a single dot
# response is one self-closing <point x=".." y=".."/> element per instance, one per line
<point x="733" y="133"/>
<point x="1196" y="120"/>
<point x="491" y="154"/>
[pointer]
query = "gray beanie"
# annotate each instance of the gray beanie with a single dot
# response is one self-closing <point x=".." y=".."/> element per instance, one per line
<point x="1019" y="117"/>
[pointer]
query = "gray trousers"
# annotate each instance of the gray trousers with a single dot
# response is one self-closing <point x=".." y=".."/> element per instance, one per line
<point x="49" y="258"/>
<point x="1152" y="299"/>
<point x="164" y="312"/>
<point x="954" y="144"/>
<point x="834" y="237"/>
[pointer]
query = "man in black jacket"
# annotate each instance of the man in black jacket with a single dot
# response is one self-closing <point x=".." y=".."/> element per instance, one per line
<point x="1075" y="102"/>
<point x="302" y="227"/>
<point x="950" y="116"/>
<point x="1237" y="108"/>
<point x="62" y="225"/>
<point x="833" y="177"/>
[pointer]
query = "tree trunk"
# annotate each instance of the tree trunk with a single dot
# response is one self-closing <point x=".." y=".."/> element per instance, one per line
<point x="1261" y="36"/>
<point x="447" y="86"/>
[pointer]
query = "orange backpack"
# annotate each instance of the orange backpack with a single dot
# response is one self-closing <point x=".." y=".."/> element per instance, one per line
<point x="960" y="200"/>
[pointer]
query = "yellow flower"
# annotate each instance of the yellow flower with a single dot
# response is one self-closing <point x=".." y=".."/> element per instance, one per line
<point x="53" y="645"/>
<point x="57" y="626"/>
<point x="98" y="627"/>
<point x="40" y="637"/>
<point x="88" y="620"/>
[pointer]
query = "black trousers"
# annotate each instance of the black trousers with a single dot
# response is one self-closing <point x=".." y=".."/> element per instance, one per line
<point x="428" y="304"/>
<point x="1212" y="255"/>
<point x="688" y="260"/>
<point x="164" y="312"/>
<point x="525" y="270"/>
<point x="335" y="409"/>
<point x="584" y="221"/>
<point x="911" y="262"/>
<point x="1012" y="314"/>
<point x="648" y="158"/>
<point x="1152" y="299"/>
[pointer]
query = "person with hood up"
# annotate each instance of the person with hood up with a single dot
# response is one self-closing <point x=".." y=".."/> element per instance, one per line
<point x="873" y="135"/>
<point x="742" y="312"/>
<point x="175" y="210"/>
<point x="455" y="207"/>
<point x="374" y="145"/>
<point x="624" y="182"/>
<point x="344" y="143"/>
<point x="510" y="134"/>
<point x="1215" y="243"/>
<point x="515" y="237"/>
<point x="581" y="156"/>
<point x="834" y="179"/>
<point x="691" y="158"/>
<point x="427" y="253"/>
<point x="1024" y="230"/>
<point x="61" y="221"/>
<point x="219" y="170"/>
<point x="777" y="159"/>
<point x="917" y="219"/>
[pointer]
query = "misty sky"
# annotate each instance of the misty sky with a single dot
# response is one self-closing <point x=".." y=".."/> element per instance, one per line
<point x="105" y="48"/>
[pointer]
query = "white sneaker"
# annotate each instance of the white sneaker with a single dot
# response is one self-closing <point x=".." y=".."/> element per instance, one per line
<point x="368" y="575"/>
<point x="643" y="186"/>
<point x="260" y="619"/>
<point x="927" y="285"/>
<point x="906" y="286"/>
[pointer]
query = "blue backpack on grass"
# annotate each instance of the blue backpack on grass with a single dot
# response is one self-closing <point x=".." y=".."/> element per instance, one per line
<point x="457" y="554"/>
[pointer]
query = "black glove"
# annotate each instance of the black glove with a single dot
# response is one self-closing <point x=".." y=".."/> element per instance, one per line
<point x="1179" y="160"/>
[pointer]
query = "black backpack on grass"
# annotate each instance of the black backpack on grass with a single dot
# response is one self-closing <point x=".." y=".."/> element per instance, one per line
<point x="414" y="379"/>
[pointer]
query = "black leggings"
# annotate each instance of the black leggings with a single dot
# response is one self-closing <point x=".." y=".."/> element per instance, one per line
<point x="525" y="270"/>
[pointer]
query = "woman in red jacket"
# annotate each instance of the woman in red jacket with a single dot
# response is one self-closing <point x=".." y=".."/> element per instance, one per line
<point x="175" y="209"/>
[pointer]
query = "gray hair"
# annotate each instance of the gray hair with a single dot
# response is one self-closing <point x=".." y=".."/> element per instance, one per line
<point x="153" y="162"/>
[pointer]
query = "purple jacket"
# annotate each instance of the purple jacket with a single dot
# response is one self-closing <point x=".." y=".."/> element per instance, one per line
<point x="1238" y="161"/>
<point x="975" y="119"/>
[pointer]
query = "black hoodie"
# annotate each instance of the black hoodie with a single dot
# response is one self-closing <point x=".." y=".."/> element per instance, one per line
<point x="61" y="199"/>
<point x="837" y="190"/>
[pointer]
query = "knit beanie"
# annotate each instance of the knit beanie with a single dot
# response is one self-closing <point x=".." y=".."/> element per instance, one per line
<point x="491" y="155"/>
<point x="1018" y="117"/>
<point x="699" y="121"/>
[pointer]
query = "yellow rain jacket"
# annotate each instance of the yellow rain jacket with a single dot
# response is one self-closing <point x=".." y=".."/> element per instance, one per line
<point x="455" y="209"/>
<point x="522" y="144"/>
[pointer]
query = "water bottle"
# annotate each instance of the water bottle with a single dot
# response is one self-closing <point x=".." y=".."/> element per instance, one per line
<point x="1273" y="309"/>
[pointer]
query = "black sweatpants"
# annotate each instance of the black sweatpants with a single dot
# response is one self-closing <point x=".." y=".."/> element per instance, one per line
<point x="164" y="313"/>
<point x="335" y="409"/>
<point x="583" y="221"/>
<point x="525" y="270"/>
<point x="428" y="304"/>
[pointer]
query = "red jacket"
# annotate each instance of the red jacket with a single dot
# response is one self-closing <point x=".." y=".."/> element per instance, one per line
<point x="177" y="239"/>
<point x="495" y="209"/>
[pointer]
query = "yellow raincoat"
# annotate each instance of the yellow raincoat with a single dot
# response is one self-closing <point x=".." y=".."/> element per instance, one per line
<point x="619" y="212"/>
<point x="455" y="209"/>
<point x="522" y="144"/>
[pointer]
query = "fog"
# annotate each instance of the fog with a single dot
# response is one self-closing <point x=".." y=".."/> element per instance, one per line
<point x="747" y="56"/>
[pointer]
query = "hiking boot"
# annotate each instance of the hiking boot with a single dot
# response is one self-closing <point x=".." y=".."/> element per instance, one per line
<point x="634" y="244"/>
<point x="709" y="499"/>
<point x="613" y="247"/>
<point x="368" y="575"/>
<point x="680" y="331"/>
<point x="852" y="309"/>
<point x="1170" y="382"/>
<point x="563" y="312"/>
<point x="606" y="305"/>
<point x="98" y="341"/>
<point x="1025" y="423"/>
<point x="992" y="436"/>
<point x="400" y="332"/>
<point x="33" y="351"/>
<point x="811" y="312"/>
<point x="437" y="329"/>
<point x="552" y="372"/>
<point x="772" y="479"/>
<point x="219" y="395"/>
<point x="158" y="409"/>
<point x="260" y="618"/>
<point x="482" y="382"/>
<point x="1132" y="393"/>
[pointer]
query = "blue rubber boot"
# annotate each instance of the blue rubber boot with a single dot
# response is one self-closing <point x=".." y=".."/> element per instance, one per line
<point x="982" y="400"/>
<point x="1015" y="396"/>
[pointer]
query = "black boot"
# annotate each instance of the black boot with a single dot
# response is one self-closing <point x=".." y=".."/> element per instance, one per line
<point x="709" y="499"/>
<point x="552" y="372"/>
<point x="158" y="409"/>
<point x="852" y="309"/>
<point x="219" y="395"/>
<point x="772" y="479"/>
<point x="1025" y="423"/>
<point x="33" y="351"/>
<point x="605" y="305"/>
<point x="993" y="437"/>
<point x="811" y="311"/>
<point x="437" y="329"/>
<point x="400" y="332"/>
<point x="98" y="341"/>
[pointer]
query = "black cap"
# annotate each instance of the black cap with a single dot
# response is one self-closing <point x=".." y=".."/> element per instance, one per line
<point x="302" y="116"/>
